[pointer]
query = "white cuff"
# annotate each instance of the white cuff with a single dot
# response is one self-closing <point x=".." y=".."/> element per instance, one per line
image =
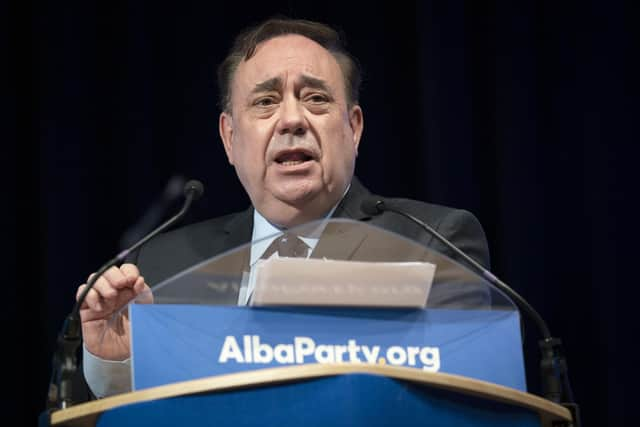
<point x="106" y="377"/>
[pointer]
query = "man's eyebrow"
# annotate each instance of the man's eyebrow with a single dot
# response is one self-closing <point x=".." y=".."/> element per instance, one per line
<point x="314" y="83"/>
<point x="275" y="84"/>
<point x="272" y="85"/>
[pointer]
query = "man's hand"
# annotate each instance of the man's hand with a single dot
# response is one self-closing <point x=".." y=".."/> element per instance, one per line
<point x="105" y="324"/>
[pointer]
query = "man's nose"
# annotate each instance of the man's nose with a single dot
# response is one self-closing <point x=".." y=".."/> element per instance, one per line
<point x="292" y="119"/>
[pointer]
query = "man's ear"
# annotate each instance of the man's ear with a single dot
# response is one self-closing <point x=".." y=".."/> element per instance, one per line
<point x="225" y="127"/>
<point x="356" y="120"/>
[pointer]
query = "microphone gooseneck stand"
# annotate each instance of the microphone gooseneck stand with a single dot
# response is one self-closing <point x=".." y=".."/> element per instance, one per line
<point x="553" y="366"/>
<point x="65" y="363"/>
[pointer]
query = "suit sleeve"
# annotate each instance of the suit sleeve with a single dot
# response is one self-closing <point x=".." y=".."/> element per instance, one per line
<point x="463" y="229"/>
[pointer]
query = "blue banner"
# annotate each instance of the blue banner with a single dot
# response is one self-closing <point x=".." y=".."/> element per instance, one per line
<point x="173" y="343"/>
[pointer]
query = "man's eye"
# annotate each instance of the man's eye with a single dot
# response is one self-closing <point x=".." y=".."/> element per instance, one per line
<point x="317" y="98"/>
<point x="265" y="102"/>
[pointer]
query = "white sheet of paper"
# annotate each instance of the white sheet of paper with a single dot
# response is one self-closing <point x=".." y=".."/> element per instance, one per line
<point x="299" y="281"/>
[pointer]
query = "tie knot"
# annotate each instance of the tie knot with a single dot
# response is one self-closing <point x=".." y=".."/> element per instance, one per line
<point x="288" y="245"/>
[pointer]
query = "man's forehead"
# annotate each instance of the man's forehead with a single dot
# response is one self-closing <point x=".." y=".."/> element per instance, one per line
<point x="289" y="57"/>
<point x="302" y="80"/>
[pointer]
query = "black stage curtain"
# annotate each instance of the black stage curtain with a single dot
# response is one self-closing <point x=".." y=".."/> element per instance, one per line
<point x="524" y="113"/>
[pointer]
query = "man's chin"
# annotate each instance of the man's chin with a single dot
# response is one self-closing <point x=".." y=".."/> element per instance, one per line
<point x="300" y="200"/>
<point x="297" y="192"/>
<point x="293" y="208"/>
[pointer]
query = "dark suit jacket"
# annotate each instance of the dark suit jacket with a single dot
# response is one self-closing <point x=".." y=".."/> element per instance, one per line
<point x="172" y="252"/>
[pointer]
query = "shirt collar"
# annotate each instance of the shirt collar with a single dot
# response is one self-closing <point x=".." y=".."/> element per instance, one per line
<point x="265" y="232"/>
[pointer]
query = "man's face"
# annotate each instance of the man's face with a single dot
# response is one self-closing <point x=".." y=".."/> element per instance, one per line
<point x="291" y="136"/>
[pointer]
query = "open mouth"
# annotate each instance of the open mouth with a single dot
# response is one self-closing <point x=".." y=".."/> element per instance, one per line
<point x="293" y="157"/>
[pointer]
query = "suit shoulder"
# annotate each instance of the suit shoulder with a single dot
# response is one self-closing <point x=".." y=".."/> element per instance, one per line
<point x="459" y="226"/>
<point x="433" y="213"/>
<point x="175" y="250"/>
<point x="217" y="225"/>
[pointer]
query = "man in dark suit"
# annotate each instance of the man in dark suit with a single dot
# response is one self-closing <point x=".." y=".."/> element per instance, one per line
<point x="291" y="127"/>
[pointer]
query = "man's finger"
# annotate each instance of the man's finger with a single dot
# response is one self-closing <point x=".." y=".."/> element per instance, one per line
<point x="130" y="271"/>
<point x="105" y="289"/>
<point x="117" y="278"/>
<point x="143" y="292"/>
<point x="93" y="301"/>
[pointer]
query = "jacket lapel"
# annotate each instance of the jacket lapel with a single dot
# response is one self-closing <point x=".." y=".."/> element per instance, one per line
<point x="238" y="233"/>
<point x="239" y="229"/>
<point x="341" y="240"/>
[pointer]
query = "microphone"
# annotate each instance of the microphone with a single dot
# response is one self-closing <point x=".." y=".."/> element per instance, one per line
<point x="64" y="359"/>
<point x="553" y="365"/>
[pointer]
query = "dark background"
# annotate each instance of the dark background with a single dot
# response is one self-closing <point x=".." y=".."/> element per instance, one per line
<point x="524" y="113"/>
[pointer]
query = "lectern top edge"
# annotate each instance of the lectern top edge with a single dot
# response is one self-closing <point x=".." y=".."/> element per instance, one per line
<point x="86" y="414"/>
